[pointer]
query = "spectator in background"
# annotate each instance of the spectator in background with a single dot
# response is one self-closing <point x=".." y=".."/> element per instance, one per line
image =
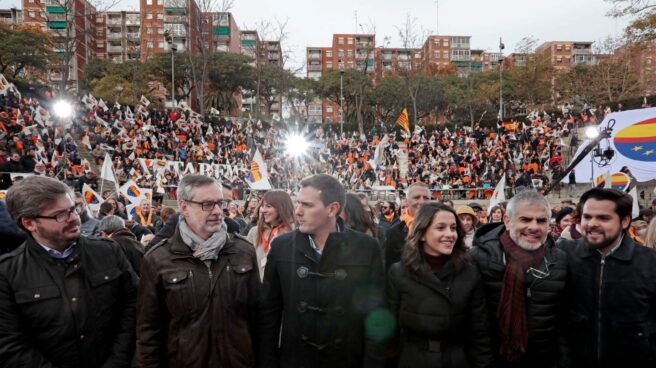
<point x="276" y="217"/>
<point x="469" y="221"/>
<point x="106" y="209"/>
<point x="650" y="238"/>
<point x="12" y="236"/>
<point x="356" y="218"/>
<point x="113" y="227"/>
<point x="89" y="223"/>
<point x="388" y="216"/>
<point x="496" y="214"/>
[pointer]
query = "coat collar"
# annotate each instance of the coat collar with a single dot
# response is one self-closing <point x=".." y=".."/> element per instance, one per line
<point x="180" y="249"/>
<point x="302" y="242"/>
<point x="439" y="282"/>
<point x="623" y="253"/>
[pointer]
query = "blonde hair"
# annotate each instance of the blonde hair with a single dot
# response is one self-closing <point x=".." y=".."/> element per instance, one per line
<point x="650" y="239"/>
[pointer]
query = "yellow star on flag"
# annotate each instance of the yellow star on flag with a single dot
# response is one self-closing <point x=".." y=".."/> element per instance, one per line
<point x="636" y="148"/>
<point x="649" y="152"/>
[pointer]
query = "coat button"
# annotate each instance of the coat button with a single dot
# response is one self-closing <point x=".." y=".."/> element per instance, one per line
<point x="74" y="299"/>
<point x="302" y="272"/>
<point x="37" y="296"/>
<point x="81" y="337"/>
<point x="106" y="277"/>
<point x="175" y="279"/>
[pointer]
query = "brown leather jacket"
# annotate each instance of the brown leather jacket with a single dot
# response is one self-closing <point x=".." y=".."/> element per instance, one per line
<point x="192" y="315"/>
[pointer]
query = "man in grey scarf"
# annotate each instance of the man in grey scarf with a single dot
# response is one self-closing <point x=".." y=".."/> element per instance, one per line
<point x="198" y="291"/>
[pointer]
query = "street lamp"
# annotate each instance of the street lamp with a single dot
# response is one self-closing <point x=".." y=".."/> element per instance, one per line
<point x="501" y="47"/>
<point x="592" y="133"/>
<point x="341" y="96"/>
<point x="169" y="39"/>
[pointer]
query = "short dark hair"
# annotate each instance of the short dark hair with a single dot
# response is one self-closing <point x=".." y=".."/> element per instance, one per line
<point x="105" y="208"/>
<point x="26" y="198"/>
<point x="331" y="190"/>
<point x="623" y="201"/>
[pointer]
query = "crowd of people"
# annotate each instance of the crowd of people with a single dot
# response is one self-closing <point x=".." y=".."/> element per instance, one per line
<point x="155" y="147"/>
<point x="312" y="273"/>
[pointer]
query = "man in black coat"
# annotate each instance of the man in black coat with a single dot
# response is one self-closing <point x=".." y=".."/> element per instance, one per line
<point x="113" y="227"/>
<point x="524" y="280"/>
<point x="322" y="301"/>
<point x="611" y="287"/>
<point x="416" y="195"/>
<point x="65" y="300"/>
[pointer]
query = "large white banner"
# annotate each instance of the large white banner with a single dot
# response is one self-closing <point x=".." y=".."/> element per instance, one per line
<point x="634" y="141"/>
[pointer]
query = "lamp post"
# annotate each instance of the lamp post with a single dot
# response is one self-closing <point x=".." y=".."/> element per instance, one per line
<point x="341" y="96"/>
<point x="501" y="47"/>
<point x="169" y="39"/>
<point x="592" y="133"/>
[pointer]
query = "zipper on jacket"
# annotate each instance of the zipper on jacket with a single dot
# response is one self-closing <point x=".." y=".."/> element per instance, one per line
<point x="601" y="283"/>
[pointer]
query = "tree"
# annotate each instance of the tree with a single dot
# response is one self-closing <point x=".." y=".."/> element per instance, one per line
<point x="24" y="47"/>
<point x="159" y="67"/>
<point x="576" y="84"/>
<point x="228" y="74"/>
<point x="411" y="38"/>
<point x="116" y="88"/>
<point x="615" y="75"/>
<point x="529" y="85"/>
<point x="301" y="92"/>
<point x="643" y="26"/>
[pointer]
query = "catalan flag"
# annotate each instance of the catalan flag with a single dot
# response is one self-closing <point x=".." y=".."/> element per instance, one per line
<point x="403" y="120"/>
<point x="257" y="177"/>
<point x="90" y="196"/>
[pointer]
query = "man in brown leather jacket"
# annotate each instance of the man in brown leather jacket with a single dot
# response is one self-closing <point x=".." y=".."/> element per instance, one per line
<point x="197" y="304"/>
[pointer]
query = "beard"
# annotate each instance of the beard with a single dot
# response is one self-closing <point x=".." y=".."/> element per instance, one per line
<point x="606" y="242"/>
<point x="516" y="237"/>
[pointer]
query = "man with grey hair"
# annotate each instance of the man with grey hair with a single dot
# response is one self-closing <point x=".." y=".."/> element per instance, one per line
<point x="113" y="227"/>
<point x="416" y="195"/>
<point x="65" y="300"/>
<point x="524" y="279"/>
<point x="199" y="288"/>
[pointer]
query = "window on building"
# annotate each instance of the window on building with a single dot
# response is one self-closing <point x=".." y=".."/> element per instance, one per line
<point x="329" y="109"/>
<point x="329" y="53"/>
<point x="99" y="33"/>
<point x="349" y="53"/>
<point x="350" y="65"/>
<point x="160" y="45"/>
<point x="340" y="40"/>
<point x="350" y="40"/>
<point x="160" y="30"/>
<point x="149" y="16"/>
<point x="649" y="61"/>
<point x="100" y="45"/>
<point x="99" y="19"/>
<point x="437" y="54"/>
<point x="149" y="30"/>
<point x="149" y="2"/>
<point x="340" y="53"/>
<point x="329" y="65"/>
<point x="31" y="14"/>
<point x="160" y="16"/>
<point x="559" y="59"/>
<point x="149" y="44"/>
<point x="445" y="54"/>
<point x="445" y="43"/>
<point x="559" y="47"/>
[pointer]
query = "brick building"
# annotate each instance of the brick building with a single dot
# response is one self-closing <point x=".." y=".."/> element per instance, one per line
<point x="11" y="16"/>
<point x="564" y="55"/>
<point x="122" y="38"/>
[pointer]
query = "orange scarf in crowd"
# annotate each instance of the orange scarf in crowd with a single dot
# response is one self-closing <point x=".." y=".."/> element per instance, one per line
<point x="145" y="222"/>
<point x="408" y="220"/>
<point x="267" y="240"/>
<point x="389" y="218"/>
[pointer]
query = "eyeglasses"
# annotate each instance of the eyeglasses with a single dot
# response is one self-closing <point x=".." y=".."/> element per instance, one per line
<point x="385" y="207"/>
<point x="61" y="216"/>
<point x="208" y="206"/>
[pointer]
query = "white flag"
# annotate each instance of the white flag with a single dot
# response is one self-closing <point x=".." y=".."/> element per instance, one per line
<point x="131" y="191"/>
<point x="499" y="194"/>
<point x="257" y="177"/>
<point x="144" y="101"/>
<point x="107" y="171"/>
<point x="635" y="211"/>
<point x="4" y="85"/>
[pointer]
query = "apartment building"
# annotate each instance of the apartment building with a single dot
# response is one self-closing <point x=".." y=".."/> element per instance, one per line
<point x="224" y="30"/>
<point x="122" y="37"/>
<point x="564" y="55"/>
<point x="348" y="51"/>
<point x="74" y="28"/>
<point x="441" y="51"/>
<point x="11" y="16"/>
<point x="642" y="59"/>
<point x="180" y="18"/>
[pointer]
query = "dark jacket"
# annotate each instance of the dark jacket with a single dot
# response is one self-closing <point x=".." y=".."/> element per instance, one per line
<point x="132" y="248"/>
<point x="11" y="235"/>
<point x="394" y="243"/>
<point x="193" y="315"/>
<point x="43" y="325"/>
<point x="321" y="302"/>
<point x="386" y="225"/>
<point x="611" y="305"/>
<point x="544" y="296"/>
<point x="442" y="317"/>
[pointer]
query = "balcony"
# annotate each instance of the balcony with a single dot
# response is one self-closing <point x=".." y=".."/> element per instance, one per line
<point x="134" y="36"/>
<point x="314" y="55"/>
<point x="314" y="68"/>
<point x="132" y="21"/>
<point x="57" y="24"/>
<point x="114" y="21"/>
<point x="114" y="49"/>
<point x="175" y="19"/>
<point x="114" y="35"/>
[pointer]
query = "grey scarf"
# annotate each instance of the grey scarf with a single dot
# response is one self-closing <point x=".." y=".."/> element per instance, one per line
<point x="205" y="250"/>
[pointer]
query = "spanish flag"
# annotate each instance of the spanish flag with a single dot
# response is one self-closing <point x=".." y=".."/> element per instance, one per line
<point x="403" y="120"/>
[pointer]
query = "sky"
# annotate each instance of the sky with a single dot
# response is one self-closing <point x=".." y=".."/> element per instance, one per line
<point x="313" y="22"/>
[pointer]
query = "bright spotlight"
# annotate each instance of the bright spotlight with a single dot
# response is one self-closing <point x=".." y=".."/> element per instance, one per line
<point x="63" y="109"/>
<point x="592" y="132"/>
<point x="296" y="145"/>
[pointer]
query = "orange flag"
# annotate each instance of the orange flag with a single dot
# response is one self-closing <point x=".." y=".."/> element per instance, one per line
<point x="403" y="120"/>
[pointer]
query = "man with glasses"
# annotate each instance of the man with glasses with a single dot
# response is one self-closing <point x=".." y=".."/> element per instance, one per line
<point x="65" y="300"/>
<point x="89" y="224"/>
<point x="199" y="288"/>
<point x="524" y="280"/>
